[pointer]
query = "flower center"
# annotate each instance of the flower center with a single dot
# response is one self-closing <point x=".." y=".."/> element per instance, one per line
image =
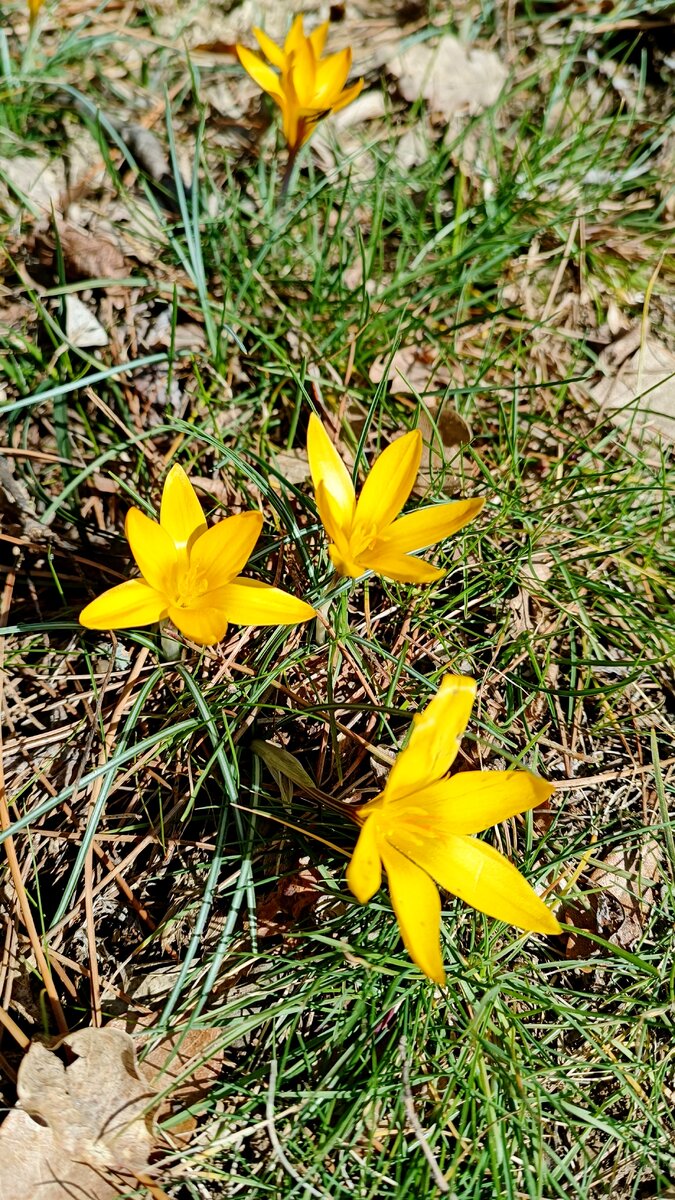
<point x="192" y="584"/>
<point x="413" y="822"/>
<point x="363" y="538"/>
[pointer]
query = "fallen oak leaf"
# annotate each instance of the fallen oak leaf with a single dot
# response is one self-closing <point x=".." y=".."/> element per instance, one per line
<point x="638" y="391"/>
<point x="412" y="370"/>
<point x="443" y="432"/>
<point x="450" y="76"/>
<point x="621" y="893"/>
<point x="86" y="255"/>
<point x="77" y="1129"/>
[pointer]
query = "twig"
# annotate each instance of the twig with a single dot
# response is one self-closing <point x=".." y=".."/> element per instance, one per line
<point x="419" y="1134"/>
<point x="12" y="1027"/>
<point x="10" y="850"/>
<point x="276" y="1144"/>
<point x="89" y="860"/>
<point x="589" y="781"/>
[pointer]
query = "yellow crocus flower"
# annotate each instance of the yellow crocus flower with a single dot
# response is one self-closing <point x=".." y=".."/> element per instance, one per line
<point x="191" y="574"/>
<point x="418" y="829"/>
<point x="307" y="86"/>
<point x="364" y="534"/>
<point x="34" y="7"/>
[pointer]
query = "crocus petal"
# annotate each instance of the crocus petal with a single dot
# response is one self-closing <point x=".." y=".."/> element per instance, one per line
<point x="274" y="53"/>
<point x="251" y="602"/>
<point x="181" y="513"/>
<point x="435" y="737"/>
<point x="225" y="548"/>
<point x="364" y="873"/>
<point x="318" y="39"/>
<point x="295" y="36"/>
<point x="483" y="878"/>
<point x="389" y="483"/>
<point x="124" y="607"/>
<point x="303" y="74"/>
<point x="331" y="75"/>
<point x="155" y="554"/>
<point x="476" y="800"/>
<point x="260" y="72"/>
<point x="327" y="467"/>
<point x="427" y="526"/>
<point x="417" y="905"/>
<point x="293" y="126"/>
<point x="330" y="519"/>
<point x="400" y="567"/>
<point x="205" y="626"/>
<point x="347" y="96"/>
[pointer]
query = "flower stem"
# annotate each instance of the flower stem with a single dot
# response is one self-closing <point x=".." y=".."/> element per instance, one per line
<point x="323" y="625"/>
<point x="288" y="175"/>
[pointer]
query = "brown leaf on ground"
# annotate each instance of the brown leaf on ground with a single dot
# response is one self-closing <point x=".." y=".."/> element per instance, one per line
<point x="537" y="571"/>
<point x="450" y="76"/>
<point x="85" y="255"/>
<point x="639" y="391"/>
<point x="620" y="895"/>
<point x="625" y="887"/>
<point x="413" y="370"/>
<point x="292" y="464"/>
<point x="35" y="183"/>
<point x="293" y="899"/>
<point x="77" y="1128"/>
<point x="443" y="431"/>
<point x="187" y="1065"/>
<point x="182" y="1067"/>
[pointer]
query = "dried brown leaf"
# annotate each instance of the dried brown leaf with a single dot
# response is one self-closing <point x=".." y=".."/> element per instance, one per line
<point x="450" y="76"/>
<point x="413" y="370"/>
<point x="86" y="255"/>
<point x="443" y="430"/>
<point x="621" y="893"/>
<point x="294" y="898"/>
<point x="293" y="465"/>
<point x="639" y="393"/>
<point x="77" y="1126"/>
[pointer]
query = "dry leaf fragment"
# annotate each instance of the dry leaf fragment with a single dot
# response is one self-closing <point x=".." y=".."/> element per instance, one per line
<point x="622" y="891"/>
<point x="32" y="182"/>
<point x="443" y="430"/>
<point x="292" y="464"/>
<point x="82" y="328"/>
<point x="625" y="890"/>
<point x="450" y="76"/>
<point x="537" y="571"/>
<point x="186" y="1064"/>
<point x="413" y="370"/>
<point x="76" y="1125"/>
<point x="86" y="255"/>
<point x="294" y="898"/>
<point x="640" y="397"/>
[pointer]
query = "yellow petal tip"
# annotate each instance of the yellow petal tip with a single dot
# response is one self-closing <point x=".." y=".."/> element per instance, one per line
<point x="550" y="925"/>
